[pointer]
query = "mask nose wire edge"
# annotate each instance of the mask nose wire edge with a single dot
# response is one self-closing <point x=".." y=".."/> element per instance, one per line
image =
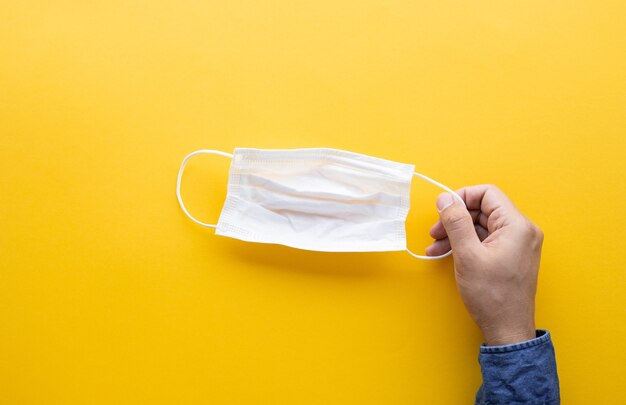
<point x="449" y="190"/>
<point x="180" y="177"/>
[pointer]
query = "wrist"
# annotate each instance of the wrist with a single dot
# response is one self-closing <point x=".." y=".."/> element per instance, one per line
<point x="510" y="336"/>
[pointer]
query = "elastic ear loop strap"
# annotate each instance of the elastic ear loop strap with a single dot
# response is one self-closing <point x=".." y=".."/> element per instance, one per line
<point x="458" y="197"/>
<point x="180" y="177"/>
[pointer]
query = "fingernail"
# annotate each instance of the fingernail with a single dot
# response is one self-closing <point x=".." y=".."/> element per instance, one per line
<point x="444" y="201"/>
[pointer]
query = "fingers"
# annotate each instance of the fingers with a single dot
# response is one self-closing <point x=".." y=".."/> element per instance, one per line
<point x="438" y="247"/>
<point x="458" y="223"/>
<point x="481" y="232"/>
<point x="482" y="201"/>
<point x="438" y="231"/>
<point x="485" y="198"/>
<point x="442" y="245"/>
<point x="471" y="224"/>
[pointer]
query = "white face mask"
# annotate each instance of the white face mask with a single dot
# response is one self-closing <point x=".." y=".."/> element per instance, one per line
<point x="316" y="199"/>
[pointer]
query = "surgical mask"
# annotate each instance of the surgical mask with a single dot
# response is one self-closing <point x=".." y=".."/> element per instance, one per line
<point x="315" y="199"/>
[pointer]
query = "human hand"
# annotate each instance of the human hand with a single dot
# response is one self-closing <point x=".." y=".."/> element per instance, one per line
<point x="496" y="252"/>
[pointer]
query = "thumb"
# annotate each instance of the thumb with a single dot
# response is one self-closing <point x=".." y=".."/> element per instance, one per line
<point x="457" y="222"/>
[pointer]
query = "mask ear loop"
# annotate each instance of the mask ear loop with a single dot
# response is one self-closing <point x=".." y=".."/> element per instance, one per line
<point x="180" y="177"/>
<point x="458" y="197"/>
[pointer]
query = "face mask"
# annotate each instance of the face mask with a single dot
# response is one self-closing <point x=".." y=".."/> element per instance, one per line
<point x="316" y="199"/>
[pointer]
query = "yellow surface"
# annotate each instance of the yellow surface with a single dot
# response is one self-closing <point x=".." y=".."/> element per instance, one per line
<point x="109" y="295"/>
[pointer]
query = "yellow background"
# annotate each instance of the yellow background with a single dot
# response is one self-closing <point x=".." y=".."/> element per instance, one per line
<point x="109" y="295"/>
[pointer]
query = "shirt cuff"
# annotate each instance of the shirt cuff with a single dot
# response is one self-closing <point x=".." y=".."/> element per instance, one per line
<point x="519" y="373"/>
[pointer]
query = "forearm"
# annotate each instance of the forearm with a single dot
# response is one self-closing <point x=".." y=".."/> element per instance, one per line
<point x="520" y="373"/>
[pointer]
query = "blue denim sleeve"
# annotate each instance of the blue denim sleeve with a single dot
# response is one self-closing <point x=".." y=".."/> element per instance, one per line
<point x="521" y="373"/>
